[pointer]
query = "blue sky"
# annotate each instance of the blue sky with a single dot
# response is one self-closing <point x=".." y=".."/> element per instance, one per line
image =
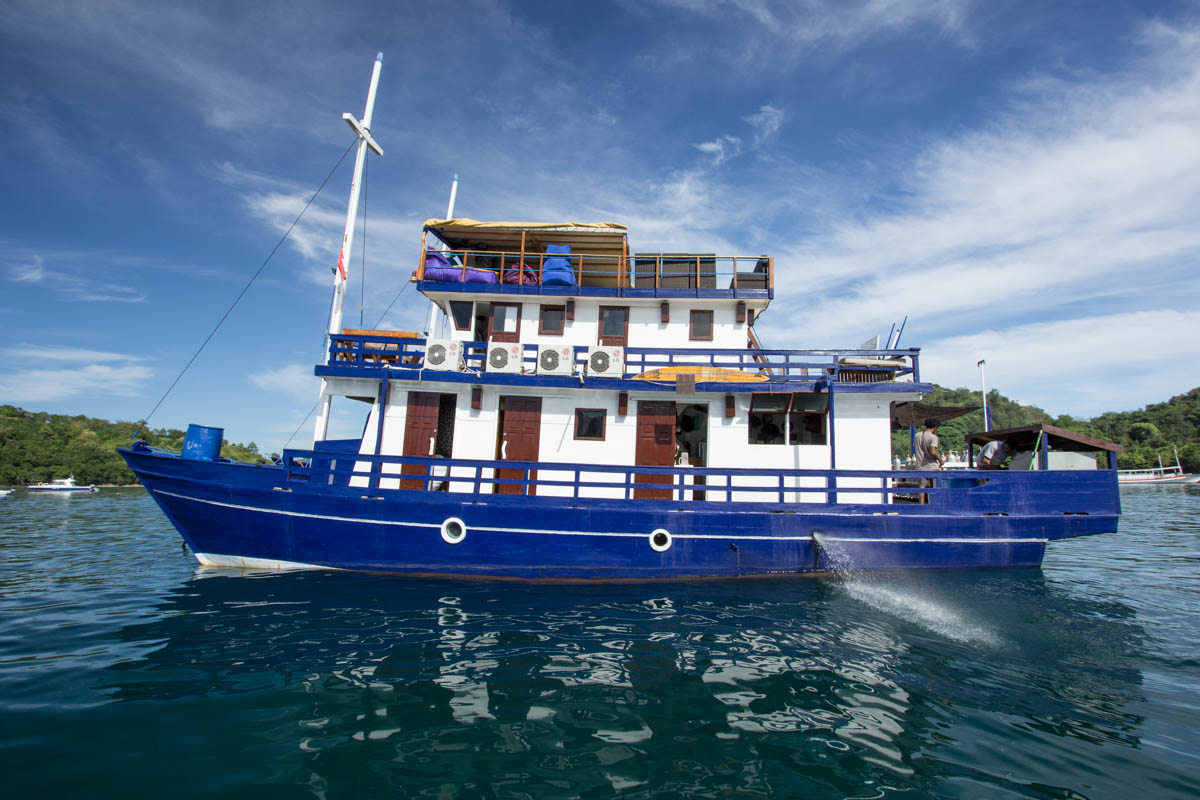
<point x="1022" y="180"/>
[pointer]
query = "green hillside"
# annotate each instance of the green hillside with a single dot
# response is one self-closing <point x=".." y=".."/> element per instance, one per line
<point x="1145" y="434"/>
<point x="37" y="447"/>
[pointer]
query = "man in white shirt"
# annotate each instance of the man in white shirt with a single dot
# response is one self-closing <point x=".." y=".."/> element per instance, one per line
<point x="926" y="447"/>
<point x="994" y="454"/>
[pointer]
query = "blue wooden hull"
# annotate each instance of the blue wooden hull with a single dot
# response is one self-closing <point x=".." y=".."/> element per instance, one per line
<point x="244" y="515"/>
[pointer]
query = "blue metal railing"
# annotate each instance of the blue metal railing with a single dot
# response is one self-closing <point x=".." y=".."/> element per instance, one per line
<point x="956" y="492"/>
<point x="856" y="366"/>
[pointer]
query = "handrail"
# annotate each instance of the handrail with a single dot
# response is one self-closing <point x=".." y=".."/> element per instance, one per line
<point x="639" y="270"/>
<point x="796" y="488"/>
<point x="775" y="365"/>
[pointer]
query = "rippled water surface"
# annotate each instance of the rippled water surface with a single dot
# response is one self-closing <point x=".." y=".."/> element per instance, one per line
<point x="125" y="671"/>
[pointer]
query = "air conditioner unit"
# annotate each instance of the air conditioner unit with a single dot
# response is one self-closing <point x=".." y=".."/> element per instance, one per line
<point x="606" y="362"/>
<point x="444" y="354"/>
<point x="556" y="360"/>
<point x="505" y="357"/>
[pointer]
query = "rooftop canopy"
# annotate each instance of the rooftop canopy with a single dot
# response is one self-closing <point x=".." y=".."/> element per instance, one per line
<point x="597" y="238"/>
<point x="1025" y="437"/>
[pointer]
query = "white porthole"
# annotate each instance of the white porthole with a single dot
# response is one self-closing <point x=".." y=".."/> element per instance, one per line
<point x="454" y="530"/>
<point x="660" y="540"/>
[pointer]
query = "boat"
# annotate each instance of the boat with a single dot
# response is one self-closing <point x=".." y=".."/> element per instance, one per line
<point x="60" y="486"/>
<point x="4" y="493"/>
<point x="586" y="411"/>
<point x="1157" y="476"/>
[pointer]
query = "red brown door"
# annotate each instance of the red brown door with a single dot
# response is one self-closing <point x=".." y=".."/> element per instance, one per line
<point x="655" y="445"/>
<point x="520" y="437"/>
<point x="420" y="434"/>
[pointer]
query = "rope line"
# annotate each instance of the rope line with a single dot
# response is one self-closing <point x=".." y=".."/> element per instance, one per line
<point x="242" y="294"/>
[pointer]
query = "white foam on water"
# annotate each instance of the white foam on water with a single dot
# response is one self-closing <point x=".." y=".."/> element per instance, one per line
<point x="905" y="603"/>
<point x="922" y="611"/>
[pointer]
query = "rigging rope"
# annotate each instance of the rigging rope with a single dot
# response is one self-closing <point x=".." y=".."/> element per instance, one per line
<point x="242" y="294"/>
<point x="314" y="408"/>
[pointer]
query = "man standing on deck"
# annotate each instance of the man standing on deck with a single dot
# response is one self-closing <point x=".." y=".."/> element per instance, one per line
<point x="926" y="446"/>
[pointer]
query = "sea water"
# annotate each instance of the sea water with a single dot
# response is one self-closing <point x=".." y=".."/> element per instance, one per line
<point x="126" y="671"/>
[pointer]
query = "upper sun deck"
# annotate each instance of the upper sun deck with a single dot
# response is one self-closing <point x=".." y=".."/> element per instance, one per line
<point x="576" y="259"/>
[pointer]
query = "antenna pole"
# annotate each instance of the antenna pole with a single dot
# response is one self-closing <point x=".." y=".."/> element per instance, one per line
<point x="362" y="129"/>
<point x="433" y="307"/>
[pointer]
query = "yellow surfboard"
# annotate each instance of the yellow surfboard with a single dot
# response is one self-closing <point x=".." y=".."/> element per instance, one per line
<point x="703" y="373"/>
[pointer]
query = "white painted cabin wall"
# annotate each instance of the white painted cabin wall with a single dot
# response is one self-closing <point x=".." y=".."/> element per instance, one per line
<point x="645" y="327"/>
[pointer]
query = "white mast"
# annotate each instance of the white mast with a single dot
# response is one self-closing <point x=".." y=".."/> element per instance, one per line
<point x="363" y="130"/>
<point x="433" y="307"/>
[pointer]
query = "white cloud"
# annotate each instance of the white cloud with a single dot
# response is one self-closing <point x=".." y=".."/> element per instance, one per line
<point x="721" y="149"/>
<point x="89" y="380"/>
<point x="766" y="122"/>
<point x="294" y="380"/>
<point x="40" y="352"/>
<point x="1081" y="367"/>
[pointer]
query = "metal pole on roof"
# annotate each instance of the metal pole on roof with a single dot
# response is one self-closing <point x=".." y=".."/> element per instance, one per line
<point x="433" y="307"/>
<point x="987" y="422"/>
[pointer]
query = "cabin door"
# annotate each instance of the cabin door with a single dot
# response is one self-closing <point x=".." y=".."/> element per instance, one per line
<point x="655" y="445"/>
<point x="518" y="440"/>
<point x="428" y="432"/>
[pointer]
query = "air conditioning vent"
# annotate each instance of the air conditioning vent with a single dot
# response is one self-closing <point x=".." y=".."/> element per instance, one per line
<point x="443" y="354"/>
<point x="556" y="360"/>
<point x="505" y="357"/>
<point x="606" y="362"/>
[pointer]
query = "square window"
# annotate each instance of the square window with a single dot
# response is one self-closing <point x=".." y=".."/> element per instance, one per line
<point x="550" y="319"/>
<point x="589" y="423"/>
<point x="701" y="328"/>
<point x="614" y="326"/>
<point x="504" y="324"/>
<point x="462" y="314"/>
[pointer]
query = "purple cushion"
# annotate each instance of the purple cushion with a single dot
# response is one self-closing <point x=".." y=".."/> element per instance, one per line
<point x="519" y="273"/>
<point x="435" y="259"/>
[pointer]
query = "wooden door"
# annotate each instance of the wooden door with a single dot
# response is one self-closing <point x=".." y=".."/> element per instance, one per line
<point x="420" y="434"/>
<point x="519" y="439"/>
<point x="655" y="445"/>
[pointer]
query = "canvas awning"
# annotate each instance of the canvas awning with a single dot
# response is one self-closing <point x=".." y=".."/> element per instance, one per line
<point x="592" y="238"/>
<point x="911" y="414"/>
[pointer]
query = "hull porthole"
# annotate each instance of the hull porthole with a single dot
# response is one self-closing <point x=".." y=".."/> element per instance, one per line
<point x="660" y="540"/>
<point x="454" y="530"/>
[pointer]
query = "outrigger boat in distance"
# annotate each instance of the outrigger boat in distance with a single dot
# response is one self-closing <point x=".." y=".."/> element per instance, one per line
<point x="592" y="412"/>
<point x="1157" y="476"/>
<point x="60" y="485"/>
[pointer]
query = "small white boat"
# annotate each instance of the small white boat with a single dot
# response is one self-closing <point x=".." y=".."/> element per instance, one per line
<point x="4" y="493"/>
<point x="61" y="485"/>
<point x="1157" y="475"/>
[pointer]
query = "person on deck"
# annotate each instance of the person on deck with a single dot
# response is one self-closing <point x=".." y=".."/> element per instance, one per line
<point x="994" y="454"/>
<point x="926" y="446"/>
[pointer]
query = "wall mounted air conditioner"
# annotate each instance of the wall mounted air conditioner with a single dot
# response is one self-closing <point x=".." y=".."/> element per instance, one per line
<point x="444" y="354"/>
<point x="606" y="362"/>
<point x="505" y="357"/>
<point x="556" y="360"/>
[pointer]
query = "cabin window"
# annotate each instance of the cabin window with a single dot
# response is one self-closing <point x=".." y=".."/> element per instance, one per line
<point x="462" y="314"/>
<point x="768" y="418"/>
<point x="614" y="326"/>
<point x="701" y="327"/>
<point x="504" y="324"/>
<point x="550" y="320"/>
<point x="801" y="418"/>
<point x="589" y="424"/>
<point x="808" y="419"/>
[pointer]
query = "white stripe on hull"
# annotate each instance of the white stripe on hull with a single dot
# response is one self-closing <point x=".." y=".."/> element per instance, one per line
<point x="621" y="534"/>
<point x="237" y="562"/>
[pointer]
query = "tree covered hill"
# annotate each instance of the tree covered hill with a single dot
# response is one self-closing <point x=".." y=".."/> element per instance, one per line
<point x="1145" y="434"/>
<point x="37" y="447"/>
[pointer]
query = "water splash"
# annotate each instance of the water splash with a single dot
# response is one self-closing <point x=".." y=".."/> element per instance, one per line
<point x="907" y="603"/>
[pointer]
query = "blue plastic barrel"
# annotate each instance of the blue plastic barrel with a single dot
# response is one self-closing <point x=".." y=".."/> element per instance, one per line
<point x="203" y="444"/>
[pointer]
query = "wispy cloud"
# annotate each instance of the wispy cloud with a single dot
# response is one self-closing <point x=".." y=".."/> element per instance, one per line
<point x="94" y="373"/>
<point x="293" y="380"/>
